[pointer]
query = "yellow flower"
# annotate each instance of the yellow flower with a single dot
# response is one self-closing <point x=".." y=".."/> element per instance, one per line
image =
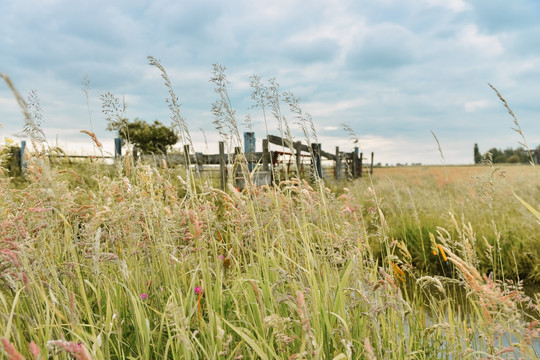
<point x="442" y="252"/>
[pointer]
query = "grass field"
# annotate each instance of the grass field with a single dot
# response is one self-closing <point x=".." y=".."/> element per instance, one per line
<point x="143" y="262"/>
<point x="413" y="263"/>
<point x="467" y="201"/>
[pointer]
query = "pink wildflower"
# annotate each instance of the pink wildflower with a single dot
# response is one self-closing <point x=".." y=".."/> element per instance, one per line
<point x="198" y="290"/>
<point x="12" y="353"/>
<point x="77" y="350"/>
<point x="144" y="296"/>
<point x="35" y="350"/>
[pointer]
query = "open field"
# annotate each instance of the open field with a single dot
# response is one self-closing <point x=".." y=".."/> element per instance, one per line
<point x="474" y="201"/>
<point x="137" y="262"/>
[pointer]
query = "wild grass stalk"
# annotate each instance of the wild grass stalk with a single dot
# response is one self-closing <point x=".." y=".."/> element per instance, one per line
<point x="260" y="95"/>
<point x="222" y="108"/>
<point x="517" y="127"/>
<point x="30" y="126"/>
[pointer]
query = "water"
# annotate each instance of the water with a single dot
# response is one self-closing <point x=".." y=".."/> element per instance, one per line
<point x="506" y="339"/>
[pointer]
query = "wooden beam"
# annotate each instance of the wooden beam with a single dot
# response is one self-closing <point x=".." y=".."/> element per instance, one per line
<point x="276" y="140"/>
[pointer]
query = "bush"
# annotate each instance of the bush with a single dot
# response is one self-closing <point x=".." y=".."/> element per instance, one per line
<point x="514" y="159"/>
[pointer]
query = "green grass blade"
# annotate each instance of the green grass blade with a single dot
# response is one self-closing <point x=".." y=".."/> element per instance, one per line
<point x="528" y="206"/>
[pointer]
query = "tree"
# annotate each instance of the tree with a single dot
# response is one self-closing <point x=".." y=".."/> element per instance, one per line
<point x="149" y="138"/>
<point x="497" y="155"/>
<point x="510" y="155"/>
<point x="477" y="155"/>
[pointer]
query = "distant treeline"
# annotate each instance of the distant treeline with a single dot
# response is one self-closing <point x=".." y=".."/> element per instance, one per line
<point x="509" y="155"/>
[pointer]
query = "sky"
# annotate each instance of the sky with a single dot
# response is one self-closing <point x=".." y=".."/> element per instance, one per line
<point x="397" y="72"/>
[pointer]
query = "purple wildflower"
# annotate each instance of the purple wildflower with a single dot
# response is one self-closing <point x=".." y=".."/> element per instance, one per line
<point x="144" y="296"/>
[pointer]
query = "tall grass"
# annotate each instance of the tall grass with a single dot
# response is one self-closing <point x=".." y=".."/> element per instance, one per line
<point x="417" y="203"/>
<point x="141" y="264"/>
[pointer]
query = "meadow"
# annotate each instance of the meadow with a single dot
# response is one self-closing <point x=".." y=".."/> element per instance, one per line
<point x="138" y="261"/>
<point x="141" y="262"/>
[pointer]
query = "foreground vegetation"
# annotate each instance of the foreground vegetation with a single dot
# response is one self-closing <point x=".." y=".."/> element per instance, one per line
<point x="143" y="264"/>
<point x="146" y="262"/>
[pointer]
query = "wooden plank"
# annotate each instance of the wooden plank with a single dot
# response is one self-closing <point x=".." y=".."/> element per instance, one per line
<point x="327" y="155"/>
<point x="276" y="140"/>
<point x="97" y="157"/>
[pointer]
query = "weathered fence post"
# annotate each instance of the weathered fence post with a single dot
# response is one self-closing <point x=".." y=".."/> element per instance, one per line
<point x="317" y="168"/>
<point x="319" y="162"/>
<point x="22" y="163"/>
<point x="265" y="155"/>
<point x="354" y="164"/>
<point x="222" y="166"/>
<point x="361" y="166"/>
<point x="117" y="147"/>
<point x="371" y="167"/>
<point x="337" y="171"/>
<point x="238" y="172"/>
<point x="358" y="160"/>
<point x="249" y="148"/>
<point x="298" y="154"/>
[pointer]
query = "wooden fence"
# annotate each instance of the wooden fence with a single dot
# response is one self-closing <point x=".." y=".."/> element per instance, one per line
<point x="296" y="157"/>
<point x="303" y="159"/>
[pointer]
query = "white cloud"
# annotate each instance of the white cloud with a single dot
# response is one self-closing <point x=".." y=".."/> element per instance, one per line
<point x="390" y="68"/>
<point x="453" y="5"/>
<point x="330" y="128"/>
<point x="471" y="106"/>
<point x="390" y="149"/>
<point x="487" y="45"/>
<point x="329" y="108"/>
<point x="8" y="103"/>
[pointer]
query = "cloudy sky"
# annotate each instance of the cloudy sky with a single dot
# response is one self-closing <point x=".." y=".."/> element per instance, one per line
<point x="394" y="70"/>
